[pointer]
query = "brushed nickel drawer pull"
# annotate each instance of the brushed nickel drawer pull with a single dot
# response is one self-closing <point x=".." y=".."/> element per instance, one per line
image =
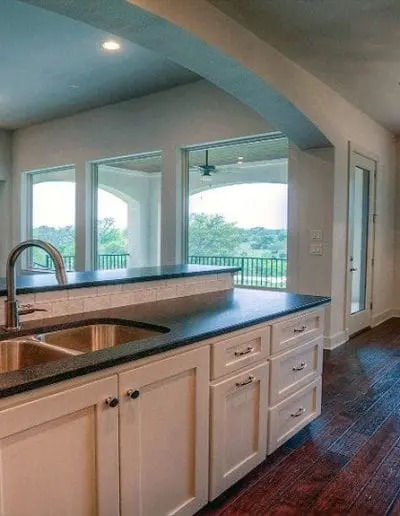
<point x="247" y="382"/>
<point x="246" y="352"/>
<point x="300" y="367"/>
<point x="300" y="330"/>
<point x="299" y="412"/>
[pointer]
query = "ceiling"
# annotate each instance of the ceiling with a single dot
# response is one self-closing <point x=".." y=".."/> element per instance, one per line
<point x="53" y="66"/>
<point x="351" y="45"/>
<point x="250" y="152"/>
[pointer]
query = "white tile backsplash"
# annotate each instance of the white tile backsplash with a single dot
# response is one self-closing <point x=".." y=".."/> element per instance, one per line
<point x="77" y="300"/>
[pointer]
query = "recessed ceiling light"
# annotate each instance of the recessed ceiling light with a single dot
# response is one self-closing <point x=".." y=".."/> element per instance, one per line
<point x="111" y="45"/>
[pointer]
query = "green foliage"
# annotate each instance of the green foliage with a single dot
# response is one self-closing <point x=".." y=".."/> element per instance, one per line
<point x="209" y="235"/>
<point x="111" y="240"/>
<point x="272" y="242"/>
<point x="63" y="238"/>
<point x="213" y="235"/>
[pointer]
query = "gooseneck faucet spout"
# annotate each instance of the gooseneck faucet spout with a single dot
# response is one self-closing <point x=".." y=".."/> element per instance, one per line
<point x="12" y="310"/>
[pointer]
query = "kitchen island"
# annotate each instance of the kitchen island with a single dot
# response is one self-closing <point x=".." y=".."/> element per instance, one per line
<point x="164" y="424"/>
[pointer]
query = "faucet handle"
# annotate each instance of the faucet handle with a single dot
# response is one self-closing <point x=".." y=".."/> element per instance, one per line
<point x="29" y="309"/>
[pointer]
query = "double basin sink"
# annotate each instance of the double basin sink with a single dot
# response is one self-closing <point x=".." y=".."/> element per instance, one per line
<point x="39" y="348"/>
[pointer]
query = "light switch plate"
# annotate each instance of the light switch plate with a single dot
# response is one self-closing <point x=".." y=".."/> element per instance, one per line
<point x="316" y="249"/>
<point x="316" y="234"/>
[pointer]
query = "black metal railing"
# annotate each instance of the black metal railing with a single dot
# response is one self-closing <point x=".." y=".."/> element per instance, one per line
<point x="104" y="262"/>
<point x="254" y="272"/>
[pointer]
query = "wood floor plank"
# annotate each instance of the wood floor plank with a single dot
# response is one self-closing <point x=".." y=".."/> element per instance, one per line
<point x="383" y="487"/>
<point x="336" y="497"/>
<point x="348" y="460"/>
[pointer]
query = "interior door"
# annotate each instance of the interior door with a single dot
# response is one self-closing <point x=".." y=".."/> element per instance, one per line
<point x="361" y="239"/>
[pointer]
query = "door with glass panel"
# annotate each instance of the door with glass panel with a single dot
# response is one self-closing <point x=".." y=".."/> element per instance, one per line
<point x="361" y="239"/>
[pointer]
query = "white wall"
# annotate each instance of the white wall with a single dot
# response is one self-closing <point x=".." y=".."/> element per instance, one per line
<point x="199" y="113"/>
<point x="310" y="194"/>
<point x="5" y="195"/>
<point x="197" y="35"/>
<point x="225" y="50"/>
<point x="182" y="116"/>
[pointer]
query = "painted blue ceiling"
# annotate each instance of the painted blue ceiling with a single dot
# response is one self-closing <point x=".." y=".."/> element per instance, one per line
<point x="53" y="66"/>
<point x="139" y="25"/>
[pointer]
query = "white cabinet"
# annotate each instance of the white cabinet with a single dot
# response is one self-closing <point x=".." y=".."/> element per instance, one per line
<point x="296" y="330"/>
<point x="295" y="375"/>
<point x="59" y="454"/>
<point x="164" y="429"/>
<point x="292" y="414"/>
<point x="293" y="369"/>
<point x="238" y="426"/>
<point x="69" y="453"/>
<point x="241" y="349"/>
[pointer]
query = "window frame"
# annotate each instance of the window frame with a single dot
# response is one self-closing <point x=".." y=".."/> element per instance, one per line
<point x="26" y="212"/>
<point x="275" y="135"/>
<point x="94" y="184"/>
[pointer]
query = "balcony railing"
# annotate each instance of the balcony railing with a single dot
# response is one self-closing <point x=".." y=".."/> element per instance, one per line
<point x="255" y="272"/>
<point x="104" y="262"/>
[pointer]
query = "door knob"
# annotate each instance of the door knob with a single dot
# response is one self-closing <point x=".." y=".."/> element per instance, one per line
<point x="112" y="401"/>
<point x="133" y="393"/>
<point x="353" y="269"/>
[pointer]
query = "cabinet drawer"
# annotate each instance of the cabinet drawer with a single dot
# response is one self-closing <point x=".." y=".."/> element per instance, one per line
<point x="292" y="370"/>
<point x="291" y="415"/>
<point x="239" y="351"/>
<point x="297" y="330"/>
<point x="238" y="426"/>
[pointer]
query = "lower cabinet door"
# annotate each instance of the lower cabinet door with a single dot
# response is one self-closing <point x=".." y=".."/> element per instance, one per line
<point x="164" y="427"/>
<point x="59" y="454"/>
<point x="289" y="416"/>
<point x="239" y="408"/>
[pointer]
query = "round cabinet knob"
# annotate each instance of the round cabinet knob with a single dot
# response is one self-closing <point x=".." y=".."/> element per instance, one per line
<point x="112" y="401"/>
<point x="133" y="393"/>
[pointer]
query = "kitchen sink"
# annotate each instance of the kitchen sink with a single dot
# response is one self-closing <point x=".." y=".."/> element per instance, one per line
<point x="20" y="354"/>
<point x="93" y="337"/>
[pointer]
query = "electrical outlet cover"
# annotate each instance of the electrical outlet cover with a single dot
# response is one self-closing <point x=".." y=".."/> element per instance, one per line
<point x="316" y="234"/>
<point x="316" y="250"/>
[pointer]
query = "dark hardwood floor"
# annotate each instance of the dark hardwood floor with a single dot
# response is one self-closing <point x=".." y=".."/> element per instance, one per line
<point x="348" y="460"/>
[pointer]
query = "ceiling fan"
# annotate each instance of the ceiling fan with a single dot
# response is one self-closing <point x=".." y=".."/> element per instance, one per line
<point x="206" y="170"/>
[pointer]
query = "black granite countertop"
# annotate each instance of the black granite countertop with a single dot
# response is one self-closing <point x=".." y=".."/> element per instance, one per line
<point x="45" y="282"/>
<point x="188" y="320"/>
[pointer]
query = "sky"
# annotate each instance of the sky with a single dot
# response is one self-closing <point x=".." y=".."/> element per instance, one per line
<point x="54" y="204"/>
<point x="249" y="205"/>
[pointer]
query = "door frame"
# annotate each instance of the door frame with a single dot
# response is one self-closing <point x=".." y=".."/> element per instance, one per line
<point x="357" y="154"/>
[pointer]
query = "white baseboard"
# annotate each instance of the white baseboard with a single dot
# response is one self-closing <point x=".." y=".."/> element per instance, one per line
<point x="335" y="340"/>
<point x="384" y="316"/>
<point x="340" y="338"/>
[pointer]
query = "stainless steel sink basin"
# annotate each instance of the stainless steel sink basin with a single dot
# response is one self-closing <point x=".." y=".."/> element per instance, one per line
<point x="96" y="336"/>
<point x="19" y="354"/>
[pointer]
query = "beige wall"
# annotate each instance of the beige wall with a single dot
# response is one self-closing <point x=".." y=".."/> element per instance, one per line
<point x="195" y="34"/>
<point x="5" y="194"/>
<point x="199" y="113"/>
<point x="339" y="120"/>
<point x="310" y="208"/>
<point x="166" y="121"/>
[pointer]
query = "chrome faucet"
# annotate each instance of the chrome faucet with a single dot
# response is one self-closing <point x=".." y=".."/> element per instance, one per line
<point x="12" y="308"/>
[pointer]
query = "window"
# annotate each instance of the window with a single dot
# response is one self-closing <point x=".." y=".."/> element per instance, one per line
<point x="51" y="215"/>
<point x="127" y="208"/>
<point x="237" y="208"/>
